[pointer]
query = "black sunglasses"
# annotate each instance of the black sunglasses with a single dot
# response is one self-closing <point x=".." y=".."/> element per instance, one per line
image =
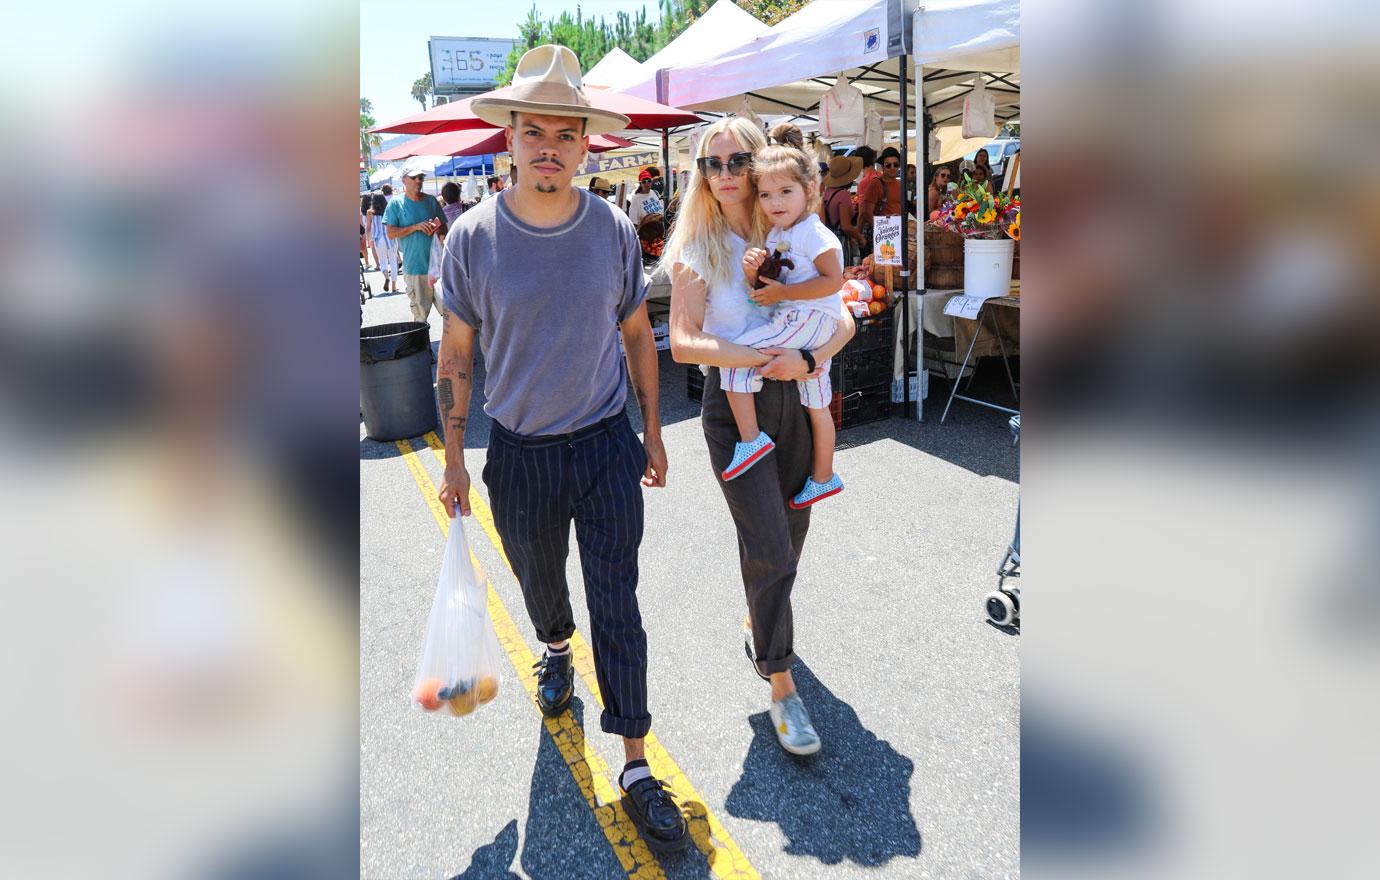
<point x="890" y="165"/>
<point x="711" y="166"/>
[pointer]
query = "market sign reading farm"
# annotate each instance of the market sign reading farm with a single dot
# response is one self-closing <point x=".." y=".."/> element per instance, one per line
<point x="626" y="162"/>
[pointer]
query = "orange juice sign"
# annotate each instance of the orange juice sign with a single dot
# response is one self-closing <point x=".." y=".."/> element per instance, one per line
<point x="886" y="238"/>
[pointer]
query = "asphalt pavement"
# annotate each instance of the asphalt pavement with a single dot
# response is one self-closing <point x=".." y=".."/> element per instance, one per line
<point x="915" y="695"/>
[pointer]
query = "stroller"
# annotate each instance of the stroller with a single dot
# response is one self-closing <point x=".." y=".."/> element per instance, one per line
<point x="365" y="291"/>
<point x="1004" y="603"/>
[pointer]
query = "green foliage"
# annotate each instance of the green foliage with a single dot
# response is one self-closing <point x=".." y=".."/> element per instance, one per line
<point x="591" y="40"/>
<point x="771" y="11"/>
<point x="422" y="89"/>
<point x="368" y="142"/>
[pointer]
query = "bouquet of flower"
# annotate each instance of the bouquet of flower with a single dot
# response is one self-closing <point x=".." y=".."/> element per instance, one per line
<point x="973" y="212"/>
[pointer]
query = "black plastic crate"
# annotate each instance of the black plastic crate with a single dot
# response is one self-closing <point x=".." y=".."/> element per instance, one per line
<point x="875" y="332"/>
<point x="694" y="383"/>
<point x="860" y="406"/>
<point x="851" y="369"/>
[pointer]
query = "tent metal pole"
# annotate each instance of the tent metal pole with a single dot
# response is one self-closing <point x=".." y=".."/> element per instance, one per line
<point x="906" y="208"/>
<point x="666" y="175"/>
<point x="923" y="125"/>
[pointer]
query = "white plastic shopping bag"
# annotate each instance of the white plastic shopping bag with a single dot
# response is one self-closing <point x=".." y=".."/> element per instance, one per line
<point x="460" y="662"/>
<point x="746" y="112"/>
<point x="841" y="111"/>
<point x="872" y="131"/>
<point x="979" y="112"/>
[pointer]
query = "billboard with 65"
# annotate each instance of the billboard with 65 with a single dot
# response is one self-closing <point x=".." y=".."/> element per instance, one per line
<point x="466" y="64"/>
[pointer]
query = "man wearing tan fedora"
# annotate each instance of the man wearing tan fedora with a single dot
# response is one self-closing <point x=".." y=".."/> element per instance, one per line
<point x="546" y="276"/>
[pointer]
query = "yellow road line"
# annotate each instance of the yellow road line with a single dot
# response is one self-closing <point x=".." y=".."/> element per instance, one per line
<point x="725" y="858"/>
<point x="589" y="770"/>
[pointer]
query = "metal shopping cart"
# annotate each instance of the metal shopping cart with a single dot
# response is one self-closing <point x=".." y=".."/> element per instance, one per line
<point x="1004" y="603"/>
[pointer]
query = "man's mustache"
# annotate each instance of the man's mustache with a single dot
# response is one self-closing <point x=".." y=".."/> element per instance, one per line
<point x="557" y="162"/>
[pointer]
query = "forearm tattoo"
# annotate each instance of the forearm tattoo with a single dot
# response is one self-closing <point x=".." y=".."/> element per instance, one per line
<point x="447" y="395"/>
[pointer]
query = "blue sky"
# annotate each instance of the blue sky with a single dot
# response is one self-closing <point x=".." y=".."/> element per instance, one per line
<point x="393" y="35"/>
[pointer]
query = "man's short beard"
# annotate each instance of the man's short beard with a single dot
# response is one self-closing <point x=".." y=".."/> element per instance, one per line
<point x="545" y="188"/>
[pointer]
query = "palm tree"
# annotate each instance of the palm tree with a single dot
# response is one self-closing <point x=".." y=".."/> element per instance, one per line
<point x="368" y="142"/>
<point x="421" y="89"/>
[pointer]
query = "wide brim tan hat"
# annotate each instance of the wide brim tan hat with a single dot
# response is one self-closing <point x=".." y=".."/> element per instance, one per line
<point x="843" y="170"/>
<point x="547" y="82"/>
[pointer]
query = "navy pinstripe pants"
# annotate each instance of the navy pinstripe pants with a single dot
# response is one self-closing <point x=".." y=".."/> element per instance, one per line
<point x="537" y="487"/>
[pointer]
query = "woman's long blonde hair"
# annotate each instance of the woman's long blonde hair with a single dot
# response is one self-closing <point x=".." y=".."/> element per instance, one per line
<point x="700" y="237"/>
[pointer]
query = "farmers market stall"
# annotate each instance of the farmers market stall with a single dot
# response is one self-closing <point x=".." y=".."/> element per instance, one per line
<point x="875" y="47"/>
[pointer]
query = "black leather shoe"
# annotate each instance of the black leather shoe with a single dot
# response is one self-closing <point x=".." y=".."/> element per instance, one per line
<point x="656" y="815"/>
<point x="555" y="684"/>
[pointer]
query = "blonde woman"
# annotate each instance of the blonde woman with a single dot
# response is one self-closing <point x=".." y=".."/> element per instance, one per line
<point x="710" y="305"/>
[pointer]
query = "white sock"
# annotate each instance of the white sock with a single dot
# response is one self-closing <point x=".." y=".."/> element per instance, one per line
<point x="634" y="771"/>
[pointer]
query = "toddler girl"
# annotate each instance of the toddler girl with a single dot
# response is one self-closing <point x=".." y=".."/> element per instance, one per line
<point x="806" y="306"/>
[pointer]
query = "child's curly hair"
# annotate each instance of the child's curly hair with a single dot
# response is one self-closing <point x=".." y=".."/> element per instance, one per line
<point x="777" y="159"/>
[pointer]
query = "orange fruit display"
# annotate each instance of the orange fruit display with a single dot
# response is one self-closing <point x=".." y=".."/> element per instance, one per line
<point x="878" y="291"/>
<point x="425" y="695"/>
<point x="875" y="307"/>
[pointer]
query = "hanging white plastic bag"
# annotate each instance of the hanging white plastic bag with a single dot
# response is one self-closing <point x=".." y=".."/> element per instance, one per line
<point x="872" y="131"/>
<point x="460" y="661"/>
<point x="841" y="111"/>
<point x="749" y="114"/>
<point x="979" y="112"/>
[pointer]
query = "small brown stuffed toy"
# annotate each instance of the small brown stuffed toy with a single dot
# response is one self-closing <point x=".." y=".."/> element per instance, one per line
<point x="774" y="265"/>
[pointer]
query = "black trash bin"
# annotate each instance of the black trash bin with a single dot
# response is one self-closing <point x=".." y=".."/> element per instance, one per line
<point x="395" y="390"/>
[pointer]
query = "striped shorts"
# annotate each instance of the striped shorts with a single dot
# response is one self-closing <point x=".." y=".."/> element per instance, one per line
<point x="789" y="328"/>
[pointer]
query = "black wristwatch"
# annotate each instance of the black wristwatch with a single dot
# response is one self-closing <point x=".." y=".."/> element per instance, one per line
<point x="809" y="360"/>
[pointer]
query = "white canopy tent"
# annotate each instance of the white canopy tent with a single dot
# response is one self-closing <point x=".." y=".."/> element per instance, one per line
<point x="386" y="174"/>
<point x="613" y="70"/>
<point x="879" y="46"/>
<point x="788" y="68"/>
<point x="723" y="26"/>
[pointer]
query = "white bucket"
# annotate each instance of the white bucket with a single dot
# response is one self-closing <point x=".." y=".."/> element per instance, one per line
<point x="987" y="266"/>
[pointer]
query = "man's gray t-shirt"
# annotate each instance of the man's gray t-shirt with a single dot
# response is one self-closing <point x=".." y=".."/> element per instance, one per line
<point x="547" y="304"/>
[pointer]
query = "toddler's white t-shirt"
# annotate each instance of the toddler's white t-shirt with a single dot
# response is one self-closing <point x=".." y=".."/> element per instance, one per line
<point x="804" y="241"/>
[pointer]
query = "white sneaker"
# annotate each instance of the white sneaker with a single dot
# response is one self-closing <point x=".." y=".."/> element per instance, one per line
<point x="793" y="728"/>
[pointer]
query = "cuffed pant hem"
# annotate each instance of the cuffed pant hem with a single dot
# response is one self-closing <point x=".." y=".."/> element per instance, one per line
<point x="767" y="667"/>
<point x="633" y="728"/>
<point x="560" y="635"/>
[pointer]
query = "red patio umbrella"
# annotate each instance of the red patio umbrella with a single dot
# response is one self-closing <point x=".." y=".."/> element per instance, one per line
<point x="478" y="142"/>
<point x="456" y="116"/>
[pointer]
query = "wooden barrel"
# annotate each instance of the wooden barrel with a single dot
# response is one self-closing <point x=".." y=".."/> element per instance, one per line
<point x="943" y="259"/>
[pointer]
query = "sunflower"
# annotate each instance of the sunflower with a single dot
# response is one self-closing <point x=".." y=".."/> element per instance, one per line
<point x="1014" y="230"/>
<point x="987" y="216"/>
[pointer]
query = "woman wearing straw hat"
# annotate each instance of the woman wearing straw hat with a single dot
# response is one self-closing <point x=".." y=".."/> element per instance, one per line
<point x="836" y="208"/>
<point x="561" y="449"/>
<point x="709" y="307"/>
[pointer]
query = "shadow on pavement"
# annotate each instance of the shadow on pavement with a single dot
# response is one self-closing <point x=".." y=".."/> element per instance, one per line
<point x="562" y="838"/>
<point x="491" y="861"/>
<point x="850" y="802"/>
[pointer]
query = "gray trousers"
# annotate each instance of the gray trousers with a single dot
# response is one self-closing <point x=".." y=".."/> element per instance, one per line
<point x="770" y="534"/>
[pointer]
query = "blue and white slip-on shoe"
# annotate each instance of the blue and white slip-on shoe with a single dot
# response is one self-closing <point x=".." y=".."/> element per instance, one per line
<point x="745" y="455"/>
<point x="793" y="728"/>
<point x="816" y="491"/>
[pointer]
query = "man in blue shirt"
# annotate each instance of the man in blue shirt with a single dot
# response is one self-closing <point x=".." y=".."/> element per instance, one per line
<point x="413" y="220"/>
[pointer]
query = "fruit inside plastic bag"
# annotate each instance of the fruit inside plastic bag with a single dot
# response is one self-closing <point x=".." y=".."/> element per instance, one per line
<point x="460" y="661"/>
